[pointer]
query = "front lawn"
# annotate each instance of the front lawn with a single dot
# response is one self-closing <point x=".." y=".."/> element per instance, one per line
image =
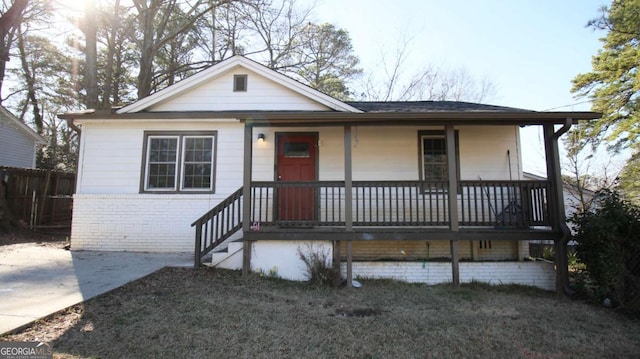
<point x="178" y="313"/>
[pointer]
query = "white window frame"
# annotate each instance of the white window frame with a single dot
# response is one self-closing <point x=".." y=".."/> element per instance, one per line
<point x="180" y="137"/>
<point x="148" y="164"/>
<point x="183" y="162"/>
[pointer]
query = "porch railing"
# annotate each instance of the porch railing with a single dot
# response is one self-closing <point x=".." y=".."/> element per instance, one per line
<point x="498" y="204"/>
<point x="217" y="225"/>
<point x="508" y="204"/>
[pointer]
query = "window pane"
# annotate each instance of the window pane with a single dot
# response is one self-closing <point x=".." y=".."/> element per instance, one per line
<point x="162" y="176"/>
<point x="434" y="158"/>
<point x="161" y="170"/>
<point x="296" y="150"/>
<point x="198" y="162"/>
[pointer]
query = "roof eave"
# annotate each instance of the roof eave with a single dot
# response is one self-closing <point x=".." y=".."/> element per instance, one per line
<point x="520" y="118"/>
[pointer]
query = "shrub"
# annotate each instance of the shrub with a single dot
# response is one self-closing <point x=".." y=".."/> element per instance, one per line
<point x="320" y="271"/>
<point x="608" y="240"/>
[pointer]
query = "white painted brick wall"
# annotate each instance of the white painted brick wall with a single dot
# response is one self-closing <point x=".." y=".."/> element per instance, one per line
<point x="137" y="222"/>
<point x="283" y="258"/>
<point x="537" y="274"/>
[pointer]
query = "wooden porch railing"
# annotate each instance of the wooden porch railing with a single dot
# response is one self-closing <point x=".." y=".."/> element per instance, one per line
<point x="507" y="204"/>
<point x="495" y="204"/>
<point x="215" y="226"/>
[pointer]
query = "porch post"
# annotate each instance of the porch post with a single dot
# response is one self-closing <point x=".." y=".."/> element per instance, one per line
<point x="453" y="201"/>
<point x="556" y="204"/>
<point x="246" y="197"/>
<point x="348" y="200"/>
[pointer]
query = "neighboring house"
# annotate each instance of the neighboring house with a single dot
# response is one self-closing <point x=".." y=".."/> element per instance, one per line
<point x="18" y="142"/>
<point x="570" y="199"/>
<point x="570" y="194"/>
<point x="265" y="167"/>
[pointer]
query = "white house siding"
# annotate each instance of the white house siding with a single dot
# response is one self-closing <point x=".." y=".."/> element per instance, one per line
<point x="218" y="95"/>
<point x="537" y="274"/>
<point x="391" y="152"/>
<point x="111" y="214"/>
<point x="17" y="149"/>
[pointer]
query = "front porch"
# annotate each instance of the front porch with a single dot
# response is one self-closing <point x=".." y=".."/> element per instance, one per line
<point x="452" y="212"/>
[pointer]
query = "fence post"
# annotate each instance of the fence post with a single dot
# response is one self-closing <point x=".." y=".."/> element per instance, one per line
<point x="43" y="203"/>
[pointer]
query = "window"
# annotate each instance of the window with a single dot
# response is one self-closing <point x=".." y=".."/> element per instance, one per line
<point x="179" y="162"/>
<point x="433" y="156"/>
<point x="239" y="83"/>
<point x="296" y="150"/>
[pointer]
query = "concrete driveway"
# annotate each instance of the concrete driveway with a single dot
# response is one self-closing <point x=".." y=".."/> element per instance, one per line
<point x="36" y="281"/>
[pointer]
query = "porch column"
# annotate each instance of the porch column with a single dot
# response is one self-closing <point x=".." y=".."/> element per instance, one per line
<point x="246" y="196"/>
<point x="453" y="201"/>
<point x="348" y="201"/>
<point x="556" y="203"/>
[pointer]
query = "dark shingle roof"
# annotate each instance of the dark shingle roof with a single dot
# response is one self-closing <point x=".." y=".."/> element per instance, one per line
<point x="430" y="106"/>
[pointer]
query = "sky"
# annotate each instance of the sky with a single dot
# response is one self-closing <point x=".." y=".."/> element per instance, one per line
<point x="530" y="50"/>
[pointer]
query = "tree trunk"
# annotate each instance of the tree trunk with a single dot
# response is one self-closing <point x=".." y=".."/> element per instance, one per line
<point x="29" y="79"/>
<point x="145" y="76"/>
<point x="111" y="49"/>
<point x="91" y="55"/>
<point x="9" y="21"/>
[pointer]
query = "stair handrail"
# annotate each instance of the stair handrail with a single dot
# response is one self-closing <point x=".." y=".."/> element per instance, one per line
<point x="223" y="224"/>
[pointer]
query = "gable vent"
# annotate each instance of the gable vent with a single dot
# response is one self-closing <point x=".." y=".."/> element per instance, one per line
<point x="239" y="82"/>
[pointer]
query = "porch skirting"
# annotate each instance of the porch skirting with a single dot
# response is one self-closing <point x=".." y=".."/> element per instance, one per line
<point x="538" y="274"/>
<point x="282" y="258"/>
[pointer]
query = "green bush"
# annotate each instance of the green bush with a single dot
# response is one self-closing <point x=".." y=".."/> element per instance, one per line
<point x="608" y="240"/>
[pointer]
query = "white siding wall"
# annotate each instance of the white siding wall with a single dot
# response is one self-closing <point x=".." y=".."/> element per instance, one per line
<point x="391" y="153"/>
<point x="17" y="149"/>
<point x="112" y="155"/>
<point x="111" y="214"/>
<point x="218" y="95"/>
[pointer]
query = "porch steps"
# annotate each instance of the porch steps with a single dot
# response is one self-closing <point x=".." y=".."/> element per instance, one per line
<point x="229" y="257"/>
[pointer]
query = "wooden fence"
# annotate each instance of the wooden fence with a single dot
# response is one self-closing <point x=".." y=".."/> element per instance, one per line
<point x="39" y="197"/>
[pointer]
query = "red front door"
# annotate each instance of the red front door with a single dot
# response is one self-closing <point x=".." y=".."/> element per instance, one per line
<point x="296" y="162"/>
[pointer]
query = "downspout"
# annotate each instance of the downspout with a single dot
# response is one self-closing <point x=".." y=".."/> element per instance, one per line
<point x="73" y="126"/>
<point x="566" y="233"/>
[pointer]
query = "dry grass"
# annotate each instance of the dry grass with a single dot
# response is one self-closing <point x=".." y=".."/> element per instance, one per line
<point x="178" y="313"/>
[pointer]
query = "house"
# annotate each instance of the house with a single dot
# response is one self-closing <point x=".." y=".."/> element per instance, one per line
<point x="573" y="198"/>
<point x="258" y="167"/>
<point x="18" y="142"/>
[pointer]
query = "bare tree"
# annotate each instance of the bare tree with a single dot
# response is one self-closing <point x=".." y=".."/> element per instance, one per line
<point x="392" y="82"/>
<point x="158" y="26"/>
<point x="91" y="54"/>
<point x="275" y="26"/>
<point x="9" y="23"/>
<point x="583" y="178"/>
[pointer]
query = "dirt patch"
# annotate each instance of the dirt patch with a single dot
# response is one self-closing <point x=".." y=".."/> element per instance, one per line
<point x="55" y="238"/>
<point x="358" y="313"/>
<point x="218" y="313"/>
